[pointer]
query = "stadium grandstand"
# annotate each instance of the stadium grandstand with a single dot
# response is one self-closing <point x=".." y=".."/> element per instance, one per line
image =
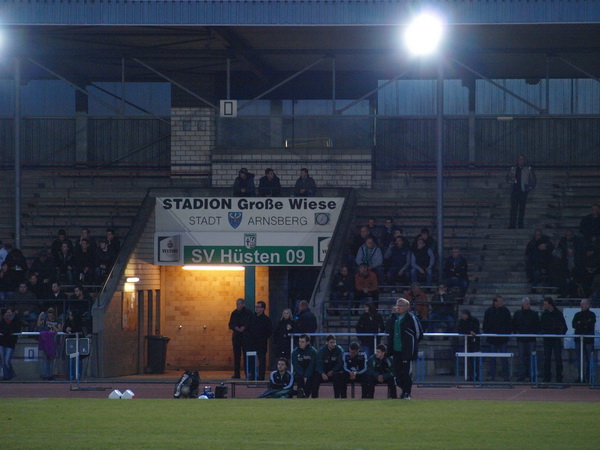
<point x="139" y="116"/>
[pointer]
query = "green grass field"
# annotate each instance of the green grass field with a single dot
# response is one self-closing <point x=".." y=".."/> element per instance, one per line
<point x="323" y="423"/>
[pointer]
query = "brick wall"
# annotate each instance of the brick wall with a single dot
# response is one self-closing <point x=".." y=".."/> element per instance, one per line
<point x="192" y="140"/>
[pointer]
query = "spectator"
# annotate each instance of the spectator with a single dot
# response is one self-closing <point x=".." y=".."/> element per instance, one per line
<point x="386" y="234"/>
<point x="26" y="307"/>
<point x="380" y="369"/>
<point x="104" y="262"/>
<point x="589" y="226"/>
<point x="374" y="229"/>
<point x="113" y="243"/>
<point x="43" y="266"/>
<point x="587" y="269"/>
<point x="469" y="326"/>
<point x="570" y="243"/>
<point x="260" y="329"/>
<point x="7" y="285"/>
<point x="304" y="360"/>
<point x="355" y="369"/>
<point x="305" y="185"/>
<point x="330" y="367"/>
<point x="525" y="321"/>
<point x="370" y="322"/>
<point x="552" y="322"/>
<point x="365" y="283"/>
<point x="359" y="241"/>
<point x="456" y="272"/>
<point x="425" y="236"/>
<point x="40" y="291"/>
<point x="404" y="333"/>
<point x="306" y="321"/>
<point x="422" y="261"/>
<point x="282" y="338"/>
<point x="584" y="322"/>
<point x="243" y="186"/>
<point x="418" y="300"/>
<point x="442" y="311"/>
<point x="497" y="320"/>
<point x="48" y="325"/>
<point x="281" y="382"/>
<point x="238" y="323"/>
<point x="560" y="272"/>
<point x="398" y="257"/>
<point x="85" y="234"/>
<point x="522" y="180"/>
<point x="342" y="288"/>
<point x="269" y="185"/>
<point x="9" y="327"/>
<point x="4" y="249"/>
<point x="56" y="292"/>
<point x="17" y="267"/>
<point x="58" y="242"/>
<point x="65" y="264"/>
<point x="538" y="253"/>
<point x="85" y="261"/>
<point x="80" y="309"/>
<point x="370" y="254"/>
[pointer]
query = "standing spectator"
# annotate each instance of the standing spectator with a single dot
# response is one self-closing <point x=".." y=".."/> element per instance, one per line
<point x="469" y="326"/>
<point x="442" y="311"/>
<point x="456" y="272"/>
<point x="398" y="256"/>
<point x="304" y="360"/>
<point x="58" y="242"/>
<point x="522" y="180"/>
<point x="269" y="185"/>
<point x="525" y="321"/>
<point x="552" y="322"/>
<point x="589" y="226"/>
<point x="371" y="255"/>
<point x="9" y="327"/>
<point x="282" y="338"/>
<point x="306" y="321"/>
<point x="422" y="262"/>
<point x="584" y="322"/>
<point x="365" y="283"/>
<point x="48" y="325"/>
<point x="418" y="300"/>
<point x="85" y="260"/>
<point x="497" y="320"/>
<point x="259" y="332"/>
<point x="342" y="288"/>
<point x="538" y="253"/>
<point x="370" y="322"/>
<point x="243" y="186"/>
<point x="113" y="243"/>
<point x="404" y="333"/>
<point x="238" y="323"/>
<point x="355" y="369"/>
<point x="380" y="369"/>
<point x="305" y="185"/>
<point x="330" y="367"/>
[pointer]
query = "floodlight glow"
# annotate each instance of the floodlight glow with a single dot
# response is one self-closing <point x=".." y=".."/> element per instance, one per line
<point x="424" y="34"/>
<point x="192" y="267"/>
<point x="133" y="280"/>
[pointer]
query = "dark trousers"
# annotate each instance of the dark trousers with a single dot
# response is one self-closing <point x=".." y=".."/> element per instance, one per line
<point x="525" y="350"/>
<point x="337" y="381"/>
<point x="261" y="355"/>
<point x="305" y="383"/>
<point x="237" y="339"/>
<point x="518" y="199"/>
<point x="402" y="368"/>
<point x="553" y="345"/>
<point x="369" y="389"/>
<point x="362" y="379"/>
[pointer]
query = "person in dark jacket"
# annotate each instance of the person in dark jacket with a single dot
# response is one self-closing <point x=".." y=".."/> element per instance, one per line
<point x="269" y="185"/>
<point x="584" y="322"/>
<point x="538" y="254"/>
<point x="243" y="186"/>
<point x="260" y="329"/>
<point x="305" y="185"/>
<point x="342" y="288"/>
<point x="589" y="226"/>
<point x="330" y="367"/>
<point x="281" y="382"/>
<point x="380" y="369"/>
<point x="404" y="333"/>
<point x="304" y="362"/>
<point x="9" y="326"/>
<point x="306" y="321"/>
<point x="525" y="321"/>
<point x="281" y="336"/>
<point x="469" y="326"/>
<point x="456" y="272"/>
<point x="497" y="320"/>
<point x="398" y="256"/>
<point x="552" y="321"/>
<point x="370" y="322"/>
<point x="238" y="323"/>
<point x="355" y="369"/>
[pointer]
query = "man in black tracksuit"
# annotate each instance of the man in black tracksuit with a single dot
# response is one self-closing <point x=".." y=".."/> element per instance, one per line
<point x="380" y="369"/>
<point x="238" y="323"/>
<point x="584" y="322"/>
<point x="260" y="329"/>
<point x="497" y="320"/>
<point x="525" y="321"/>
<point x="552" y="322"/>
<point x="330" y="367"/>
<point x="404" y="333"/>
<point x="355" y="369"/>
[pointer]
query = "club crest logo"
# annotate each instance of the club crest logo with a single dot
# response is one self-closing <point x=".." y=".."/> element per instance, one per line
<point x="235" y="219"/>
<point x="250" y="241"/>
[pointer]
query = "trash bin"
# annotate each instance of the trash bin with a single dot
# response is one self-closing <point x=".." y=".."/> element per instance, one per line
<point x="157" y="354"/>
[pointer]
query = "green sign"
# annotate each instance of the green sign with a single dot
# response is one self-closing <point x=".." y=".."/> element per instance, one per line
<point x="263" y="255"/>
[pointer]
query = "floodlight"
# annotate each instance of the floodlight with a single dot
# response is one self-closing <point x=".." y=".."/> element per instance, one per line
<point x="424" y="34"/>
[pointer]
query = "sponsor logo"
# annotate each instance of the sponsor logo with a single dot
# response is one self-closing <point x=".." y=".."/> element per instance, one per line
<point x="169" y="248"/>
<point x="250" y="240"/>
<point x="235" y="219"/>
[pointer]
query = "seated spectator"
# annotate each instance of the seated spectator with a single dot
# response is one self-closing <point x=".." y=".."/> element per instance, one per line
<point x="424" y="235"/>
<point x="365" y="284"/>
<point x="418" y="300"/>
<point x="48" y="325"/>
<point x="589" y="267"/>
<point x="65" y="264"/>
<point x="369" y="322"/>
<point x="281" y="382"/>
<point x="43" y="266"/>
<point x="442" y="311"/>
<point x="469" y="326"/>
<point x="58" y="242"/>
<point x="269" y="185"/>
<point x="456" y="272"/>
<point x="357" y="242"/>
<point x="305" y="185"/>
<point x="113" y="243"/>
<point x="40" y="291"/>
<point x="85" y="262"/>
<point x="26" y="307"/>
<point x="355" y="369"/>
<point x="589" y="226"/>
<point x="85" y="234"/>
<point x="560" y="272"/>
<point x="56" y="292"/>
<point x="304" y="360"/>
<point x="422" y="261"/>
<point x="538" y="253"/>
<point x="398" y="257"/>
<point x="571" y="242"/>
<point x="9" y="327"/>
<point x="17" y="267"/>
<point x="104" y="262"/>
<point x="380" y="369"/>
<point x="370" y="254"/>
<point x="374" y="229"/>
<point x="342" y="288"/>
<point x="330" y="367"/>
<point x="243" y="186"/>
<point x="281" y="335"/>
<point x="387" y="234"/>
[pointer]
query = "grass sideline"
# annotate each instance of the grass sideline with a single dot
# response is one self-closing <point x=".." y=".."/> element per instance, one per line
<point x="321" y="423"/>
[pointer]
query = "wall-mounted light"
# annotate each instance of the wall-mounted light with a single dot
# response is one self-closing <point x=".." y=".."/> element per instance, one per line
<point x="192" y="267"/>
<point x="133" y="280"/>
